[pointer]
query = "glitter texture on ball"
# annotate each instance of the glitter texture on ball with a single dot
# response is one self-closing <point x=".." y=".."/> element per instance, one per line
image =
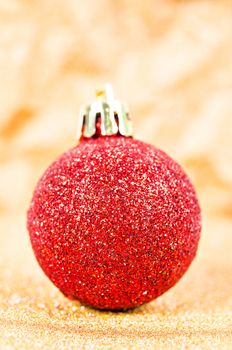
<point x="114" y="222"/>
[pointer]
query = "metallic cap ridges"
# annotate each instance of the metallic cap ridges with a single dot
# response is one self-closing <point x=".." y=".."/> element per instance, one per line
<point x="105" y="116"/>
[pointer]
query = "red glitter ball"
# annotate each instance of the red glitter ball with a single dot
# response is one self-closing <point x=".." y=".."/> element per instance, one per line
<point x="114" y="222"/>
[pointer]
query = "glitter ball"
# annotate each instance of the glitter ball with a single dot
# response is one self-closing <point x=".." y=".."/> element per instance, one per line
<point x="114" y="222"/>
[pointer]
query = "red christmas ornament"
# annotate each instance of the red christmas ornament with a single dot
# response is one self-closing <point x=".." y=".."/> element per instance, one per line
<point x="114" y="222"/>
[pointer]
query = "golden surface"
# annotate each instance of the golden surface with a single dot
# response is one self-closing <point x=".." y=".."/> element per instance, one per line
<point x="171" y="60"/>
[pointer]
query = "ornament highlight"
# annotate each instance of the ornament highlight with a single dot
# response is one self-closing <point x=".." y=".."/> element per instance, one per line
<point x="114" y="222"/>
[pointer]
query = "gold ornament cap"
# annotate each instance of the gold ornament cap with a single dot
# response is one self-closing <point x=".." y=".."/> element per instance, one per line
<point x="105" y="116"/>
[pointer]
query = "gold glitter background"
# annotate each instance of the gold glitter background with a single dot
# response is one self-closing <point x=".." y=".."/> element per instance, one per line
<point x="172" y="62"/>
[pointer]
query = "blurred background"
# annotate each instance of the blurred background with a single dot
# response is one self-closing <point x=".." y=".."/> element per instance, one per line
<point x="171" y="61"/>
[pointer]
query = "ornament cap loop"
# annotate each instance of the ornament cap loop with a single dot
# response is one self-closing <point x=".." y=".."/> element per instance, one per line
<point x="105" y="116"/>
